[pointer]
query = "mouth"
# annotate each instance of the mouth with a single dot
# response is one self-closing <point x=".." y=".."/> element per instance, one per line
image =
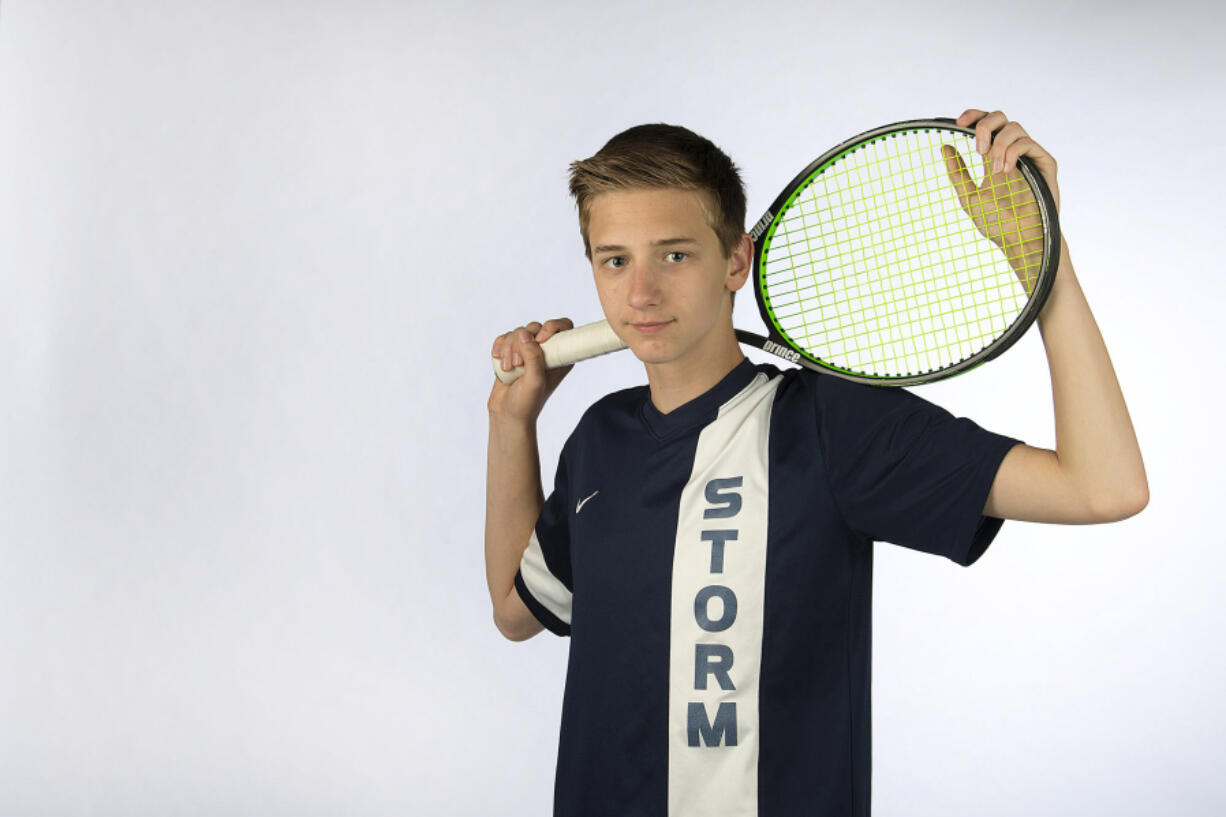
<point x="649" y="327"/>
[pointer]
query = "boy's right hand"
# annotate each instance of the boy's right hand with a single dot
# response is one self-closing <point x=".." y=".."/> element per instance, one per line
<point x="523" y="399"/>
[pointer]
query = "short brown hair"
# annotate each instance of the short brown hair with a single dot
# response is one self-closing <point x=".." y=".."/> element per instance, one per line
<point x="663" y="156"/>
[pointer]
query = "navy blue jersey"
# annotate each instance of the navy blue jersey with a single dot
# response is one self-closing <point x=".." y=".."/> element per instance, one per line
<point x="713" y="569"/>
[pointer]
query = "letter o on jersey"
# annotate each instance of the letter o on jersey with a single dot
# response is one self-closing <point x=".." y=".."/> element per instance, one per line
<point x="702" y="603"/>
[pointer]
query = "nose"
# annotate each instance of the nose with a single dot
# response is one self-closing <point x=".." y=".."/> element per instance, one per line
<point x="644" y="287"/>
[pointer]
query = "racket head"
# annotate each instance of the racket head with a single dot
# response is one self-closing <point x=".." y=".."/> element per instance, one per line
<point x="867" y="266"/>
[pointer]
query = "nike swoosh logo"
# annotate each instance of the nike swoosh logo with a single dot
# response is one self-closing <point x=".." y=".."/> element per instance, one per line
<point x="582" y="502"/>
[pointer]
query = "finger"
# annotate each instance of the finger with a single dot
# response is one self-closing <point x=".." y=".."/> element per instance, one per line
<point x="508" y="360"/>
<point x="501" y="345"/>
<point x="1001" y="142"/>
<point x="529" y="355"/>
<point x="959" y="176"/>
<point x="984" y="129"/>
<point x="969" y="117"/>
<point x="509" y="350"/>
<point x="552" y="327"/>
<point x="521" y="339"/>
<point x="501" y="340"/>
<point x="1024" y="146"/>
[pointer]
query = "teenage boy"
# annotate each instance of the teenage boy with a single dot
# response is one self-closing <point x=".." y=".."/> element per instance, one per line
<point x="708" y="542"/>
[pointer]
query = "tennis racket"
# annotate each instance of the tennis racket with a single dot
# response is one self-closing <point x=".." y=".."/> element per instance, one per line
<point x="875" y="265"/>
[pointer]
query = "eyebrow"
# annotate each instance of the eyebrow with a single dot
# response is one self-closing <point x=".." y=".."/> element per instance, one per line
<point x="663" y="242"/>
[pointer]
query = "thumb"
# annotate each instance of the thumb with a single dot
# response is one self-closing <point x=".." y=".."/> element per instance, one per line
<point x="959" y="176"/>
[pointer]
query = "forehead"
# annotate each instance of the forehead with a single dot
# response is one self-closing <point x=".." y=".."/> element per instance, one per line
<point x="627" y="214"/>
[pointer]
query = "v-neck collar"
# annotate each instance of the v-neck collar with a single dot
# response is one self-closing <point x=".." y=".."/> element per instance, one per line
<point x="702" y="409"/>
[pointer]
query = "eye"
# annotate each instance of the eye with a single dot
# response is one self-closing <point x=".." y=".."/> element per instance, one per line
<point x="615" y="261"/>
<point x="676" y="256"/>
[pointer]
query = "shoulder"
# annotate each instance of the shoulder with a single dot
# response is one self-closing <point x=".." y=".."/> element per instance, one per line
<point x="625" y="401"/>
<point x="835" y="392"/>
<point x="845" y="408"/>
<point x="797" y="384"/>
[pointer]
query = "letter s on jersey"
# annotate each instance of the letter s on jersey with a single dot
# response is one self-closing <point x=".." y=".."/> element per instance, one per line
<point x="731" y="500"/>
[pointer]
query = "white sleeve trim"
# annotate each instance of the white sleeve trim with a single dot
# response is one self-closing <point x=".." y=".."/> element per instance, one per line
<point x="544" y="586"/>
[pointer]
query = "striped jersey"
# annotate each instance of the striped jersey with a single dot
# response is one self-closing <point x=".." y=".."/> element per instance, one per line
<point x="713" y="569"/>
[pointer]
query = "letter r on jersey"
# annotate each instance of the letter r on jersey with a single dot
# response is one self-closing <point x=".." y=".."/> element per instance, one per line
<point x="712" y="659"/>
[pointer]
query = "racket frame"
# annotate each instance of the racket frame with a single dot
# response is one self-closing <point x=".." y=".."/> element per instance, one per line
<point x="764" y="229"/>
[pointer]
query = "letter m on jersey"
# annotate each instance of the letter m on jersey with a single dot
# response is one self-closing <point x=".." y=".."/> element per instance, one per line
<point x="723" y="731"/>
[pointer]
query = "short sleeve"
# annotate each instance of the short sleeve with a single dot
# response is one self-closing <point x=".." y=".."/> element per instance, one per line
<point x="544" y="577"/>
<point x="906" y="471"/>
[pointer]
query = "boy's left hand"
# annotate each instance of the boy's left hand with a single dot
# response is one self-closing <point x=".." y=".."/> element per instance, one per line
<point x="1001" y="217"/>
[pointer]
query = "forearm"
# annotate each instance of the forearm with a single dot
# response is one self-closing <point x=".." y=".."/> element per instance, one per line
<point x="1095" y="441"/>
<point x="513" y="500"/>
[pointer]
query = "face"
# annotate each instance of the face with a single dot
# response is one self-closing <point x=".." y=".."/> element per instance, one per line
<point x="661" y="275"/>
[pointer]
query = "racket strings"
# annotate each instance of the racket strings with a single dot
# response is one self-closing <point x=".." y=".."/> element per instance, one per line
<point x="855" y="242"/>
<point x="1023" y="238"/>
<point x="958" y="322"/>
<point x="1001" y="190"/>
<point x="875" y="266"/>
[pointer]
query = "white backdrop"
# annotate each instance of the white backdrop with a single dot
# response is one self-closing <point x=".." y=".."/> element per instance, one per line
<point x="253" y="254"/>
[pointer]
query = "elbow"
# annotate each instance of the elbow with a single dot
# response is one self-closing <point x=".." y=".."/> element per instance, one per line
<point x="503" y="630"/>
<point x="513" y="620"/>
<point x="508" y="629"/>
<point x="1122" y="506"/>
<point x="511" y="634"/>
<point x="1142" y="499"/>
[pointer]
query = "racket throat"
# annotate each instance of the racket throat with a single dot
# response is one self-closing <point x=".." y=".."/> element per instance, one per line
<point x="785" y="352"/>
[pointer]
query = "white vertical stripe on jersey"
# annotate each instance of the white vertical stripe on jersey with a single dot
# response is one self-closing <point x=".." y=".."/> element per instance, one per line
<point x="720" y="779"/>
<point x="545" y="587"/>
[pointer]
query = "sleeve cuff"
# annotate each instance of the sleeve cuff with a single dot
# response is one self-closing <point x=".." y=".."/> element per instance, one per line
<point x="988" y="526"/>
<point x="551" y="622"/>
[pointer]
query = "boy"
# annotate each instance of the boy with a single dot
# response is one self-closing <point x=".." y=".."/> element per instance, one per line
<point x="708" y="543"/>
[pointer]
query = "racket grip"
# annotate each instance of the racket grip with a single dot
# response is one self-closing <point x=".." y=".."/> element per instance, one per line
<point x="570" y="346"/>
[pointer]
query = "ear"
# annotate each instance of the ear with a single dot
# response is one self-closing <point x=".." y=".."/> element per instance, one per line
<point x="739" y="264"/>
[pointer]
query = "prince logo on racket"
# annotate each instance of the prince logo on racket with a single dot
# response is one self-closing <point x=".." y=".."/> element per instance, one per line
<point x="718" y="596"/>
<point x="783" y="351"/>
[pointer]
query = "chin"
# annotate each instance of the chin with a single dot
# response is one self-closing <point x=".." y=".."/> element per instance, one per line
<point x="654" y="352"/>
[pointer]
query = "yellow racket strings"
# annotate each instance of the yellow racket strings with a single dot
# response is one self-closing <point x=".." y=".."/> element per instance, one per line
<point x="877" y="267"/>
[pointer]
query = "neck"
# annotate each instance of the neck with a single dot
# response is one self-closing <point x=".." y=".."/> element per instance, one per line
<point x="678" y="382"/>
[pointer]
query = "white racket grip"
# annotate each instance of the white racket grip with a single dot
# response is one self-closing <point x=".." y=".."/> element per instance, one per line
<point x="571" y="346"/>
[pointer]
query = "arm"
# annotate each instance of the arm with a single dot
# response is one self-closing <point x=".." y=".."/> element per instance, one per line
<point x="513" y="500"/>
<point x="513" y="494"/>
<point x="1096" y="473"/>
